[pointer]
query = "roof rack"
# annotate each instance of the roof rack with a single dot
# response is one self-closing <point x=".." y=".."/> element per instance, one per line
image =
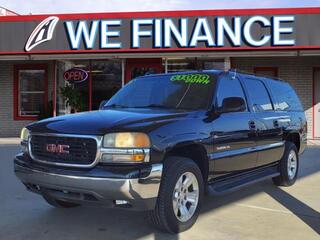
<point x="235" y="71"/>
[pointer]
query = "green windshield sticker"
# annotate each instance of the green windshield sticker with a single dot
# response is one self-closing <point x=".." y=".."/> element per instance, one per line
<point x="192" y="78"/>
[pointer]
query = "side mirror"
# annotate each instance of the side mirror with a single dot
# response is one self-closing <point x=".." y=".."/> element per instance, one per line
<point x="232" y="104"/>
<point x="102" y="104"/>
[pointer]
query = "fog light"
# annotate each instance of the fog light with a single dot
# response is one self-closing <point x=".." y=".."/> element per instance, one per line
<point x="123" y="158"/>
<point x="121" y="202"/>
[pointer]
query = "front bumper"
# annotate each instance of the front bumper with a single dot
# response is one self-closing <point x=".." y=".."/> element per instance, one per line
<point x="138" y="193"/>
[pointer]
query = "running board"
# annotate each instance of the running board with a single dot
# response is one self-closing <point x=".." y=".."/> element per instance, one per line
<point x="230" y="184"/>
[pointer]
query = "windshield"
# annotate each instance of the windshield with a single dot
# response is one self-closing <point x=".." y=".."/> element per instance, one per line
<point x="179" y="91"/>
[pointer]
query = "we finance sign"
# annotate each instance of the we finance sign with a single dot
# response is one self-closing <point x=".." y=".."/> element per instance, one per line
<point x="157" y="33"/>
<point x="160" y="31"/>
<point x="255" y="31"/>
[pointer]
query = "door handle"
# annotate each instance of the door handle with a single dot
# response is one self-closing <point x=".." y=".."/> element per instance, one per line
<point x="252" y="125"/>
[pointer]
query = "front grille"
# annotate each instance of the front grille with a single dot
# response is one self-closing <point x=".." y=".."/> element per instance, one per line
<point x="82" y="151"/>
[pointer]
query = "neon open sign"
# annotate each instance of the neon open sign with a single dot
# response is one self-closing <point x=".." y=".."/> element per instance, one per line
<point x="75" y="75"/>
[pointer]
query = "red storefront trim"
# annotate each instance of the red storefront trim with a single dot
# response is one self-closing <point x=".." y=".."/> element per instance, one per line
<point x="54" y="95"/>
<point x="163" y="14"/>
<point x="314" y="101"/>
<point x="146" y="50"/>
<point x="90" y="85"/>
<point x="131" y="63"/>
<point x="155" y="14"/>
<point x="16" y="69"/>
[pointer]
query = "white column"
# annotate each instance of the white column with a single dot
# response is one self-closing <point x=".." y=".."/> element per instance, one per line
<point x="123" y="65"/>
<point x="166" y="65"/>
<point x="227" y="63"/>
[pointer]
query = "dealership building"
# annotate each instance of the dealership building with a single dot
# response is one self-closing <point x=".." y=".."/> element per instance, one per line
<point x="96" y="54"/>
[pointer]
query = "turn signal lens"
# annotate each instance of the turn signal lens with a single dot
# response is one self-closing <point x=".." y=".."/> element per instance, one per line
<point x="123" y="158"/>
<point x="24" y="134"/>
<point x="137" y="157"/>
<point x="141" y="140"/>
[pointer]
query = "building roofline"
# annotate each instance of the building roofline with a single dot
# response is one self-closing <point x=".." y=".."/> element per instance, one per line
<point x="179" y="13"/>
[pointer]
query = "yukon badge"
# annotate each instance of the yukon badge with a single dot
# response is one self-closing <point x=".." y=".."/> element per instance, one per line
<point x="42" y="33"/>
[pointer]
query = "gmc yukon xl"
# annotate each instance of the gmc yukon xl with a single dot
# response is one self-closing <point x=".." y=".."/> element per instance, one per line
<point x="163" y="141"/>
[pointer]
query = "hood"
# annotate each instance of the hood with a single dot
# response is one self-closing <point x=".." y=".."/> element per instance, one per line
<point x="104" y="121"/>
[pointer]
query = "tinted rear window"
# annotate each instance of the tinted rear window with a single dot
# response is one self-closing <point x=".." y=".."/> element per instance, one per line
<point x="287" y="99"/>
<point x="259" y="95"/>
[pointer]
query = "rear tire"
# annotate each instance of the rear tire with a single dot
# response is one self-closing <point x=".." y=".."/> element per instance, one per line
<point x="288" y="166"/>
<point x="59" y="203"/>
<point x="180" y="196"/>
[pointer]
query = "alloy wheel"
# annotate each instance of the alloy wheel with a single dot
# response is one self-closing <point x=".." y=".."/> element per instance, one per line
<point x="185" y="196"/>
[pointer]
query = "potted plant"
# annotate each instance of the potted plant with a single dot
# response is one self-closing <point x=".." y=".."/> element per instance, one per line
<point x="72" y="98"/>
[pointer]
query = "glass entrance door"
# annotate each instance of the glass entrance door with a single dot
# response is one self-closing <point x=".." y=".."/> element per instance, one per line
<point x="106" y="80"/>
<point x="139" y="67"/>
<point x="316" y="104"/>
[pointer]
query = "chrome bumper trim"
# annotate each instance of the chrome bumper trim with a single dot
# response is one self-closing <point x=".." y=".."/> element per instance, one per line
<point x="101" y="188"/>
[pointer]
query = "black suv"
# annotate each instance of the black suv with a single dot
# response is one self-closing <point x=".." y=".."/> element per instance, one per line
<point x="163" y="141"/>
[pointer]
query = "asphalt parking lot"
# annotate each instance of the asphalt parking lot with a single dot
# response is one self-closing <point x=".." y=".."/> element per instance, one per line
<point x="261" y="211"/>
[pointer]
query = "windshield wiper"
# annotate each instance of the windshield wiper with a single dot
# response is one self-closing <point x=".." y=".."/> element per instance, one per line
<point x="115" y="106"/>
<point x="152" y="106"/>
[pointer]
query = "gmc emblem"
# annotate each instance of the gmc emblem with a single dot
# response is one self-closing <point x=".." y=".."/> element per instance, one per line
<point x="57" y="148"/>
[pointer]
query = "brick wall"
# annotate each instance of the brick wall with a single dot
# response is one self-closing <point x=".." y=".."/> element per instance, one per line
<point x="298" y="71"/>
<point x="9" y="127"/>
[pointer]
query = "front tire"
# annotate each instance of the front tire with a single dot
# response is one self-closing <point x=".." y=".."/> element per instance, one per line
<point x="180" y="196"/>
<point x="288" y="166"/>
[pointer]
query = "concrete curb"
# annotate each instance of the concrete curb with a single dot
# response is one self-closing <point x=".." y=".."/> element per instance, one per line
<point x="9" y="141"/>
<point x="314" y="142"/>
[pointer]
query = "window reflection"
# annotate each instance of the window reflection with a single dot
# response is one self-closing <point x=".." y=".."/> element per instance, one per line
<point x="106" y="80"/>
<point x="31" y="91"/>
<point x="190" y="64"/>
<point x="82" y="87"/>
<point x="106" y="76"/>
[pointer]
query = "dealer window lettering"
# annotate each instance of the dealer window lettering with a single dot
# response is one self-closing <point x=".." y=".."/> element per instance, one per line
<point x="192" y="78"/>
<point x="213" y="32"/>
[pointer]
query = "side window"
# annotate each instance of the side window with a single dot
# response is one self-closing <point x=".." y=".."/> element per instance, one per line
<point x="259" y="95"/>
<point x="229" y="88"/>
<point x="287" y="99"/>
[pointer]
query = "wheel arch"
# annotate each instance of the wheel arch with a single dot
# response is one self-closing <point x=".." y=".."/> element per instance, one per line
<point x="195" y="152"/>
<point x="294" y="137"/>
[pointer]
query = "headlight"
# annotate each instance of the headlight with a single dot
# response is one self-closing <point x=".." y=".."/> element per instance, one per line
<point x="24" y="135"/>
<point x="125" y="147"/>
<point x="126" y="140"/>
<point x="24" y="139"/>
